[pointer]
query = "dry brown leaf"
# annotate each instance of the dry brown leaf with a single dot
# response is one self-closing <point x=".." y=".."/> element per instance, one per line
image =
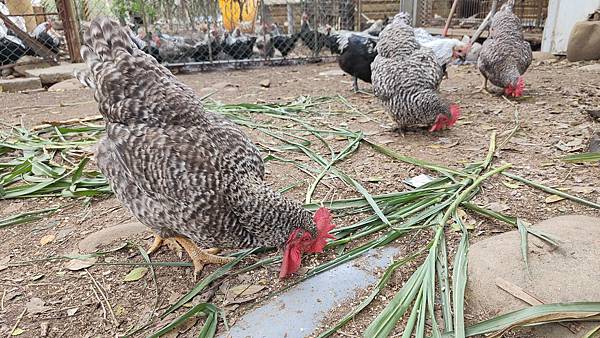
<point x="47" y="239"/>
<point x="554" y="199"/>
<point x="80" y="264"/>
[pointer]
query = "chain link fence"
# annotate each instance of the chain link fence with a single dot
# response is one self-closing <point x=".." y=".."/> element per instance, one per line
<point x="29" y="29"/>
<point x="208" y="32"/>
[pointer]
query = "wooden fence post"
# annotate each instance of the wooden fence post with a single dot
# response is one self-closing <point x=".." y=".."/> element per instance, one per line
<point x="68" y="15"/>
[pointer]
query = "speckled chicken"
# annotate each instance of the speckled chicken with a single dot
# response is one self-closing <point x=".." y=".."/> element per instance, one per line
<point x="189" y="174"/>
<point x="406" y="77"/>
<point x="505" y="55"/>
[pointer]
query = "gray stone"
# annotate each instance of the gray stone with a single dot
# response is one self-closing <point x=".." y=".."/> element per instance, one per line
<point x="333" y="72"/>
<point x="584" y="41"/>
<point x="265" y="83"/>
<point x="52" y="75"/>
<point x="564" y="274"/>
<point x="28" y="62"/>
<point x="541" y="56"/>
<point x="111" y="235"/>
<point x="71" y="84"/>
<point x="298" y="312"/>
<point x="6" y="72"/>
<point x="591" y="68"/>
<point x="18" y="85"/>
<point x="594" y="143"/>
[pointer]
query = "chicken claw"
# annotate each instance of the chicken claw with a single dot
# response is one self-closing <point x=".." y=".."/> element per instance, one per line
<point x="201" y="257"/>
<point x="156" y="244"/>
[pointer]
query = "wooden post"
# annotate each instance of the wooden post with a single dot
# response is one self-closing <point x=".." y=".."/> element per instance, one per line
<point x="449" y="21"/>
<point x="290" y="18"/>
<point x="34" y="44"/>
<point x="68" y="15"/>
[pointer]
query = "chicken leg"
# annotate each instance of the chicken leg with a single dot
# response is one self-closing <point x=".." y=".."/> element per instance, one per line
<point x="199" y="257"/>
<point x="355" y="84"/>
<point x="484" y="87"/>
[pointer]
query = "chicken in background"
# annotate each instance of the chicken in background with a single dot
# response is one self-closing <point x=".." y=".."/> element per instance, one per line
<point x="406" y="78"/>
<point x="238" y="45"/>
<point x="189" y="174"/>
<point x="315" y="40"/>
<point x="505" y="55"/>
<point x="209" y="45"/>
<point x="284" y="43"/>
<point x="446" y="50"/>
<point x="357" y="51"/>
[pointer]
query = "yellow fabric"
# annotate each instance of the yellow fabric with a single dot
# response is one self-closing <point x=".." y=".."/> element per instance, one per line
<point x="231" y="14"/>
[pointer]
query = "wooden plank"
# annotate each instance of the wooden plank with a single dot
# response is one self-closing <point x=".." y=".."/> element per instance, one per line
<point x="67" y="13"/>
<point x="34" y="44"/>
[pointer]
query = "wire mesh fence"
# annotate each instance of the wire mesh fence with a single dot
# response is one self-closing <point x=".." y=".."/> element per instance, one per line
<point x="199" y="32"/>
<point x="28" y="28"/>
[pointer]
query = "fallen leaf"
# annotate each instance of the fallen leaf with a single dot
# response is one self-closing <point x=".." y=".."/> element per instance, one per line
<point x="37" y="277"/>
<point x="135" y="274"/>
<point x="498" y="207"/>
<point x="79" y="264"/>
<point x="554" y="199"/>
<point x="4" y="263"/>
<point x="511" y="185"/>
<point x="17" y="331"/>
<point x="47" y="239"/>
<point x="583" y="190"/>
<point x="36" y="305"/>
<point x="242" y="293"/>
<point x="120" y="310"/>
<point x="72" y="312"/>
<point x="374" y="179"/>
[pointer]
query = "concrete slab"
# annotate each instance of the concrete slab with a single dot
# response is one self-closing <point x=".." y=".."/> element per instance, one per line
<point x="19" y="84"/>
<point x="52" y="75"/>
<point x="568" y="273"/>
<point x="71" y="84"/>
<point x="298" y="312"/>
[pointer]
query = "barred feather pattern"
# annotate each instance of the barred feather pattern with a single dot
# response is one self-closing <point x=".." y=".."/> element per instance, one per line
<point x="179" y="169"/>
<point x="505" y="55"/>
<point x="406" y="77"/>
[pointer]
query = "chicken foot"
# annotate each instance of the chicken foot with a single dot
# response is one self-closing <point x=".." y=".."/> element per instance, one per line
<point x="199" y="257"/>
<point x="484" y="87"/>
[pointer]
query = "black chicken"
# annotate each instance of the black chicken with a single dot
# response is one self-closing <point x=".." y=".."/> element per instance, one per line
<point x="283" y="43"/>
<point x="313" y="39"/>
<point x="238" y="46"/>
<point x="202" y="52"/>
<point x="357" y="52"/>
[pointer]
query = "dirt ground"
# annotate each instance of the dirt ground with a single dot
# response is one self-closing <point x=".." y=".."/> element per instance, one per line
<point x="554" y="122"/>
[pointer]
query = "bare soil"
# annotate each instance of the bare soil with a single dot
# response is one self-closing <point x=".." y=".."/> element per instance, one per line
<point x="553" y="122"/>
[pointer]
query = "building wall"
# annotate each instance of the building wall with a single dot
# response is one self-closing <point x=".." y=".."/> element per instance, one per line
<point x="562" y="16"/>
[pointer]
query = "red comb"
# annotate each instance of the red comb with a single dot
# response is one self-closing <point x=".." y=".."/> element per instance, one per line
<point x="322" y="219"/>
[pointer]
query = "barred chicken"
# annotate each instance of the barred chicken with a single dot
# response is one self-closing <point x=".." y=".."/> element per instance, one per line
<point x="406" y="78"/>
<point x="190" y="175"/>
<point x="505" y="55"/>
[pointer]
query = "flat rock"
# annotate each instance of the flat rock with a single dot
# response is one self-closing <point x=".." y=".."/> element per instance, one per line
<point x="563" y="274"/>
<point x="594" y="143"/>
<point x="56" y="74"/>
<point x="591" y="68"/>
<point x="541" y="56"/>
<point x="28" y="62"/>
<point x="298" y="312"/>
<point x="111" y="235"/>
<point x="333" y="72"/>
<point x="71" y="84"/>
<point x="19" y="84"/>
